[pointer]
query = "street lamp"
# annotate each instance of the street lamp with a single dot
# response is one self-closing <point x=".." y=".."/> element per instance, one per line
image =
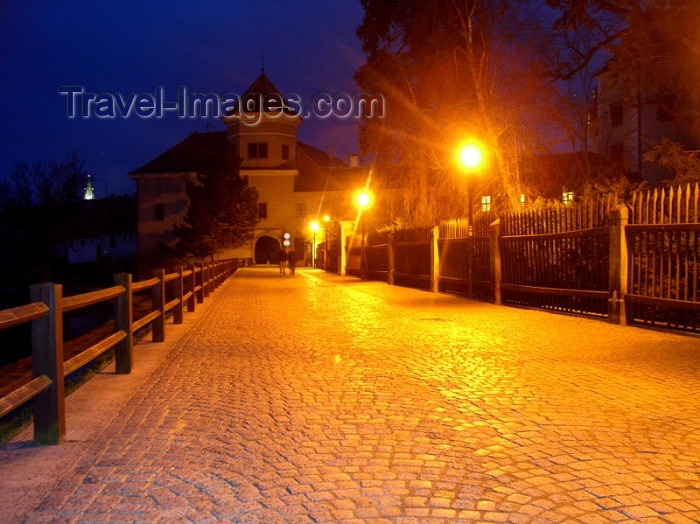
<point x="326" y="219"/>
<point x="315" y="227"/>
<point x="471" y="158"/>
<point x="363" y="200"/>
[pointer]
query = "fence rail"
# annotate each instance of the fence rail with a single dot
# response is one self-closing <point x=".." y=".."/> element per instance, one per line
<point x="46" y="386"/>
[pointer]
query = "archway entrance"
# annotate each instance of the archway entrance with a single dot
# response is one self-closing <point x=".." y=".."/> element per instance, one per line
<point x="265" y="250"/>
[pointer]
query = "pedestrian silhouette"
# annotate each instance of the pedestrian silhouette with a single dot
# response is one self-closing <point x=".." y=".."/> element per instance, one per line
<point x="292" y="261"/>
<point x="282" y="260"/>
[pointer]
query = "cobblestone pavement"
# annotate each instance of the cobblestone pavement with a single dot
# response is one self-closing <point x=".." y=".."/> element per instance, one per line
<point x="321" y="398"/>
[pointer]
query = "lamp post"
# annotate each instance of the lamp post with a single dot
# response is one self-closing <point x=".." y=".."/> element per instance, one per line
<point x="471" y="160"/>
<point x="326" y="219"/>
<point x="315" y="227"/>
<point x="363" y="200"/>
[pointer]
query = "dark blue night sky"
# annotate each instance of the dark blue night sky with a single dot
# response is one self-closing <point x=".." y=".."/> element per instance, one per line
<point x="123" y="47"/>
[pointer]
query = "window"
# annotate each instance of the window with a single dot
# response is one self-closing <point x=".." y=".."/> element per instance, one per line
<point x="262" y="210"/>
<point x="522" y="199"/>
<point x="301" y="209"/>
<point x="617" y="153"/>
<point x="486" y="203"/>
<point x="257" y="150"/>
<point x="567" y="197"/>
<point x="616" y="114"/>
<point x="159" y="212"/>
<point x="285" y="152"/>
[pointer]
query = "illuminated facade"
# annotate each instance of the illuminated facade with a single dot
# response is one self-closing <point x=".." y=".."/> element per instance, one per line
<point x="296" y="183"/>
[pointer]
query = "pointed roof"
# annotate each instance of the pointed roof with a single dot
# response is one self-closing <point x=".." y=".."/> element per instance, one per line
<point x="317" y="170"/>
<point x="193" y="154"/>
<point x="262" y="93"/>
<point x="262" y="85"/>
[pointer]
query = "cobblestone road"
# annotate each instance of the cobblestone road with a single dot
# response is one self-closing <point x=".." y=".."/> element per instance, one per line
<point x="322" y="398"/>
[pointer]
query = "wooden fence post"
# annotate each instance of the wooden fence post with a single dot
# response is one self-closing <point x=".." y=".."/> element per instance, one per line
<point x="47" y="357"/>
<point x="434" y="260"/>
<point x="206" y="271"/>
<point x="390" y="262"/>
<point x="123" y="318"/>
<point x="192" y="284"/>
<point x="200" y="293"/>
<point x="179" y="291"/>
<point x="495" y="259"/>
<point x="158" y="294"/>
<point x="617" y="277"/>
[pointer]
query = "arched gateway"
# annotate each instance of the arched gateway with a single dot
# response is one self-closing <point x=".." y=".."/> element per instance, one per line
<point x="265" y="249"/>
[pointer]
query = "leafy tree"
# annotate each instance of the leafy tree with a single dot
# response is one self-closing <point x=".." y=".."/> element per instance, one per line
<point x="222" y="212"/>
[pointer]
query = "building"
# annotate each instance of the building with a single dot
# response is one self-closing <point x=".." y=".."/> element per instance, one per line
<point x="627" y="122"/>
<point x="296" y="182"/>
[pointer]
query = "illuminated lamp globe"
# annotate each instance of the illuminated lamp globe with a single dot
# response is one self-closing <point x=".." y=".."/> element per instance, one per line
<point x="471" y="156"/>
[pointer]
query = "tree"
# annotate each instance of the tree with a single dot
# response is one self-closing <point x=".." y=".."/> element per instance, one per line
<point x="651" y="46"/>
<point x="684" y="165"/>
<point x="222" y="212"/>
<point x="450" y="70"/>
<point x="39" y="207"/>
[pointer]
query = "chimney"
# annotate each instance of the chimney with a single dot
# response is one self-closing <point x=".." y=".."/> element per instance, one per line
<point x="354" y="160"/>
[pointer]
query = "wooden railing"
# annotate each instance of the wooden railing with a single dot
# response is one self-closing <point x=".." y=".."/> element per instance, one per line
<point x="46" y="310"/>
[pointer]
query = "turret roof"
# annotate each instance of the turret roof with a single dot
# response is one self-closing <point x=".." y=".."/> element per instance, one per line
<point x="262" y="90"/>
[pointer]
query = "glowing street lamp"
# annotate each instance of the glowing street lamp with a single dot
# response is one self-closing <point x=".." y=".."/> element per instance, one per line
<point x="315" y="227"/>
<point x="363" y="200"/>
<point x="326" y="219"/>
<point x="471" y="157"/>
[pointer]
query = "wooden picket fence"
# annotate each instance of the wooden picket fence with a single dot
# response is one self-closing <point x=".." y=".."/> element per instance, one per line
<point x="663" y="253"/>
<point x="558" y="257"/>
<point x="465" y="257"/>
<point x="45" y="312"/>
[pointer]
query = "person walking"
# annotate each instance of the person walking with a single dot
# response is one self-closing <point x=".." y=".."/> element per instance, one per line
<point x="282" y="260"/>
<point x="292" y="261"/>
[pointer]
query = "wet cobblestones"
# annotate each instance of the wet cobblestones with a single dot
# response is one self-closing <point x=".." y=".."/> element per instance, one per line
<point x="319" y="398"/>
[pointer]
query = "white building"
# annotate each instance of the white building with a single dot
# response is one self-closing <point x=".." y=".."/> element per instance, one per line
<point x="296" y="183"/>
<point x="628" y="122"/>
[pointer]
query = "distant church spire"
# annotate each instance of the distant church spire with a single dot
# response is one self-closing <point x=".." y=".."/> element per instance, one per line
<point x="89" y="191"/>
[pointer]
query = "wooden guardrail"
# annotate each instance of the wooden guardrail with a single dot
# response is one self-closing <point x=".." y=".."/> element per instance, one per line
<point x="45" y="312"/>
